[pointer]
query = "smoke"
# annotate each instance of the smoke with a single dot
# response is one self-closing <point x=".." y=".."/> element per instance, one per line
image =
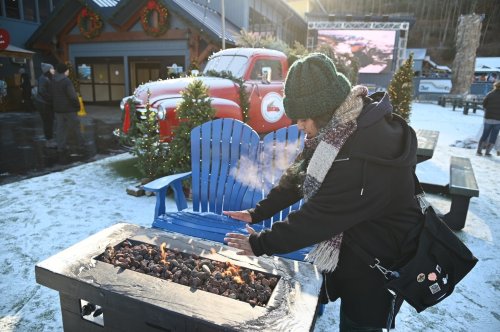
<point x="266" y="171"/>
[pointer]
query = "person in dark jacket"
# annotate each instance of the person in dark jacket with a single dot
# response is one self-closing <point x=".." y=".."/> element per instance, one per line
<point x="43" y="102"/>
<point x="491" y="105"/>
<point x="356" y="176"/>
<point x="66" y="105"/>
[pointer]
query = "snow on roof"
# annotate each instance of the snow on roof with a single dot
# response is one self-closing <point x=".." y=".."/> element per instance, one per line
<point x="418" y="53"/>
<point x="487" y="64"/>
<point x="444" y="68"/>
<point x="106" y="3"/>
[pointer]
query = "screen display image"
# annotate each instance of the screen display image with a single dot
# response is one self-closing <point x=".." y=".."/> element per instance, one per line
<point x="374" y="49"/>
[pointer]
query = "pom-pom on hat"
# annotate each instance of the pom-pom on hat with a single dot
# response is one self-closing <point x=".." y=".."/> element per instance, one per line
<point x="46" y="67"/>
<point x="313" y="87"/>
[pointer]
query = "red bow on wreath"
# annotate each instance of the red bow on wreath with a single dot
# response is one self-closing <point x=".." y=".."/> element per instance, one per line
<point x="152" y="4"/>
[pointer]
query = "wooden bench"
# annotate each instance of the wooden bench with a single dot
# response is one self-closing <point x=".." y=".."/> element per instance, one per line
<point x="474" y="104"/>
<point x="462" y="187"/>
<point x="454" y="100"/>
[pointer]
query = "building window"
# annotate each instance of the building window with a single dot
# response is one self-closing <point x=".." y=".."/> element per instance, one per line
<point x="101" y="80"/>
<point x="44" y="9"/>
<point x="29" y="9"/>
<point x="12" y="9"/>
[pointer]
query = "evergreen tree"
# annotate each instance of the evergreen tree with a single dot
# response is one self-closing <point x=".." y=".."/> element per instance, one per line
<point x="346" y="64"/>
<point x="196" y="109"/>
<point x="401" y="89"/>
<point x="151" y="153"/>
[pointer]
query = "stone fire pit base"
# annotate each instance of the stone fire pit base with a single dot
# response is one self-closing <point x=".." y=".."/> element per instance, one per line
<point x="131" y="301"/>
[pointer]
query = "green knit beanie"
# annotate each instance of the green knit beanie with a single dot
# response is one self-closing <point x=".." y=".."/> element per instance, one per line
<point x="313" y="87"/>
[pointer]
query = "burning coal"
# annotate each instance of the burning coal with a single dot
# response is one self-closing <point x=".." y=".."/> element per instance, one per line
<point x="222" y="278"/>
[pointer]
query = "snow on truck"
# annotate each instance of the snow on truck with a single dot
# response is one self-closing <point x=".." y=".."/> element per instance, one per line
<point x="262" y="71"/>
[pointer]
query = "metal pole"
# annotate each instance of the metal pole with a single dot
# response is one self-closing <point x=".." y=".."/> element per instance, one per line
<point x="223" y="25"/>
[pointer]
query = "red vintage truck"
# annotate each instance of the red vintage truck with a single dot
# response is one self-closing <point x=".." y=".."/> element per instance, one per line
<point x="262" y="71"/>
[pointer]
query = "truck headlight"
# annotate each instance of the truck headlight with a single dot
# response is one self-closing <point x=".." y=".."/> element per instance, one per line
<point x="161" y="112"/>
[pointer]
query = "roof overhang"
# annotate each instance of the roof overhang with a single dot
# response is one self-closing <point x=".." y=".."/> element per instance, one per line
<point x="16" y="52"/>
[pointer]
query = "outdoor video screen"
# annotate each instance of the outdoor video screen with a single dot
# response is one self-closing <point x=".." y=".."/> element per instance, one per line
<point x="373" y="48"/>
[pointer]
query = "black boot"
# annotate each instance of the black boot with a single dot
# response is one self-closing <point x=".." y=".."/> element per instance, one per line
<point x="480" y="147"/>
<point x="488" y="149"/>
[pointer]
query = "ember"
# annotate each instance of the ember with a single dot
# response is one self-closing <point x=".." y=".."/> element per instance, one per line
<point x="223" y="278"/>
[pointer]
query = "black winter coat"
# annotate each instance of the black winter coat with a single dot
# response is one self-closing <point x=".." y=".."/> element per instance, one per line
<point x="491" y="104"/>
<point x="44" y="94"/>
<point x="369" y="195"/>
<point x="64" y="98"/>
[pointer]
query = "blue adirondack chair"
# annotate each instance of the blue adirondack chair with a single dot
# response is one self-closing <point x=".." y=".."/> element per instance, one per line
<point x="231" y="170"/>
<point x="278" y="150"/>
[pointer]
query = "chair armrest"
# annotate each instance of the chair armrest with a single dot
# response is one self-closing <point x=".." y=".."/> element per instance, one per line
<point x="159" y="186"/>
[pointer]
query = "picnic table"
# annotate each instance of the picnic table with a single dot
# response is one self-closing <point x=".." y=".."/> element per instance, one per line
<point x="462" y="185"/>
<point x="427" y="140"/>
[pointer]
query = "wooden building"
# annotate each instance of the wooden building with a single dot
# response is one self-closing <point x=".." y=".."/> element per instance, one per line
<point x="115" y="45"/>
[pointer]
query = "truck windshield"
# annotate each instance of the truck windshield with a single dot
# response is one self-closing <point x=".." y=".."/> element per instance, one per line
<point x="236" y="64"/>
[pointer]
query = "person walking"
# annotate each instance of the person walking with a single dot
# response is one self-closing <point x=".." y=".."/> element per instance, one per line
<point x="491" y="105"/>
<point x="65" y="105"/>
<point x="43" y="102"/>
<point x="356" y="177"/>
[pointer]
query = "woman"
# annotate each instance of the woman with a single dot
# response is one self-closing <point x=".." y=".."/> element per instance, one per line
<point x="491" y="105"/>
<point x="355" y="175"/>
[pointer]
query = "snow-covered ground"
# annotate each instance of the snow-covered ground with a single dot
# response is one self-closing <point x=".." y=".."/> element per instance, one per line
<point x="41" y="216"/>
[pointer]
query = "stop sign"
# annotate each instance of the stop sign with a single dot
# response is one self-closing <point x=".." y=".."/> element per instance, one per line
<point x="4" y="39"/>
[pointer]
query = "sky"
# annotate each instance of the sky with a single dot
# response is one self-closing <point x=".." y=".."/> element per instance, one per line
<point x="41" y="216"/>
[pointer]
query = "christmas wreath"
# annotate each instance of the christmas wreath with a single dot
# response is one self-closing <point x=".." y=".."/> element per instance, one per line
<point x="89" y="23"/>
<point x="154" y="18"/>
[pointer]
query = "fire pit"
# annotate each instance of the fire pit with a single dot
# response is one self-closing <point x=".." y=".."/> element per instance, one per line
<point x="216" y="277"/>
<point x="100" y="296"/>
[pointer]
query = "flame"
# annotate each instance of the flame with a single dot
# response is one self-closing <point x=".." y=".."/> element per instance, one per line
<point x="163" y="253"/>
<point x="238" y="280"/>
<point x="233" y="271"/>
<point x="251" y="277"/>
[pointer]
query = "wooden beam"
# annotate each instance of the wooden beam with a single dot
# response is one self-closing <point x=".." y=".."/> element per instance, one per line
<point x="133" y="19"/>
<point x="206" y="52"/>
<point x="175" y="34"/>
<point x="194" y="45"/>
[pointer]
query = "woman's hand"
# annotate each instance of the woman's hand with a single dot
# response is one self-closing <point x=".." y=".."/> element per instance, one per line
<point x="242" y="215"/>
<point x="240" y="241"/>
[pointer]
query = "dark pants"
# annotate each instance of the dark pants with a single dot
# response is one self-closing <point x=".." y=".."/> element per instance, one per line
<point x="347" y="325"/>
<point x="491" y="131"/>
<point x="67" y="124"/>
<point x="47" y="115"/>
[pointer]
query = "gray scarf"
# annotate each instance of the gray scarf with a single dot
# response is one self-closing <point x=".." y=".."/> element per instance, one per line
<point x="326" y="145"/>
